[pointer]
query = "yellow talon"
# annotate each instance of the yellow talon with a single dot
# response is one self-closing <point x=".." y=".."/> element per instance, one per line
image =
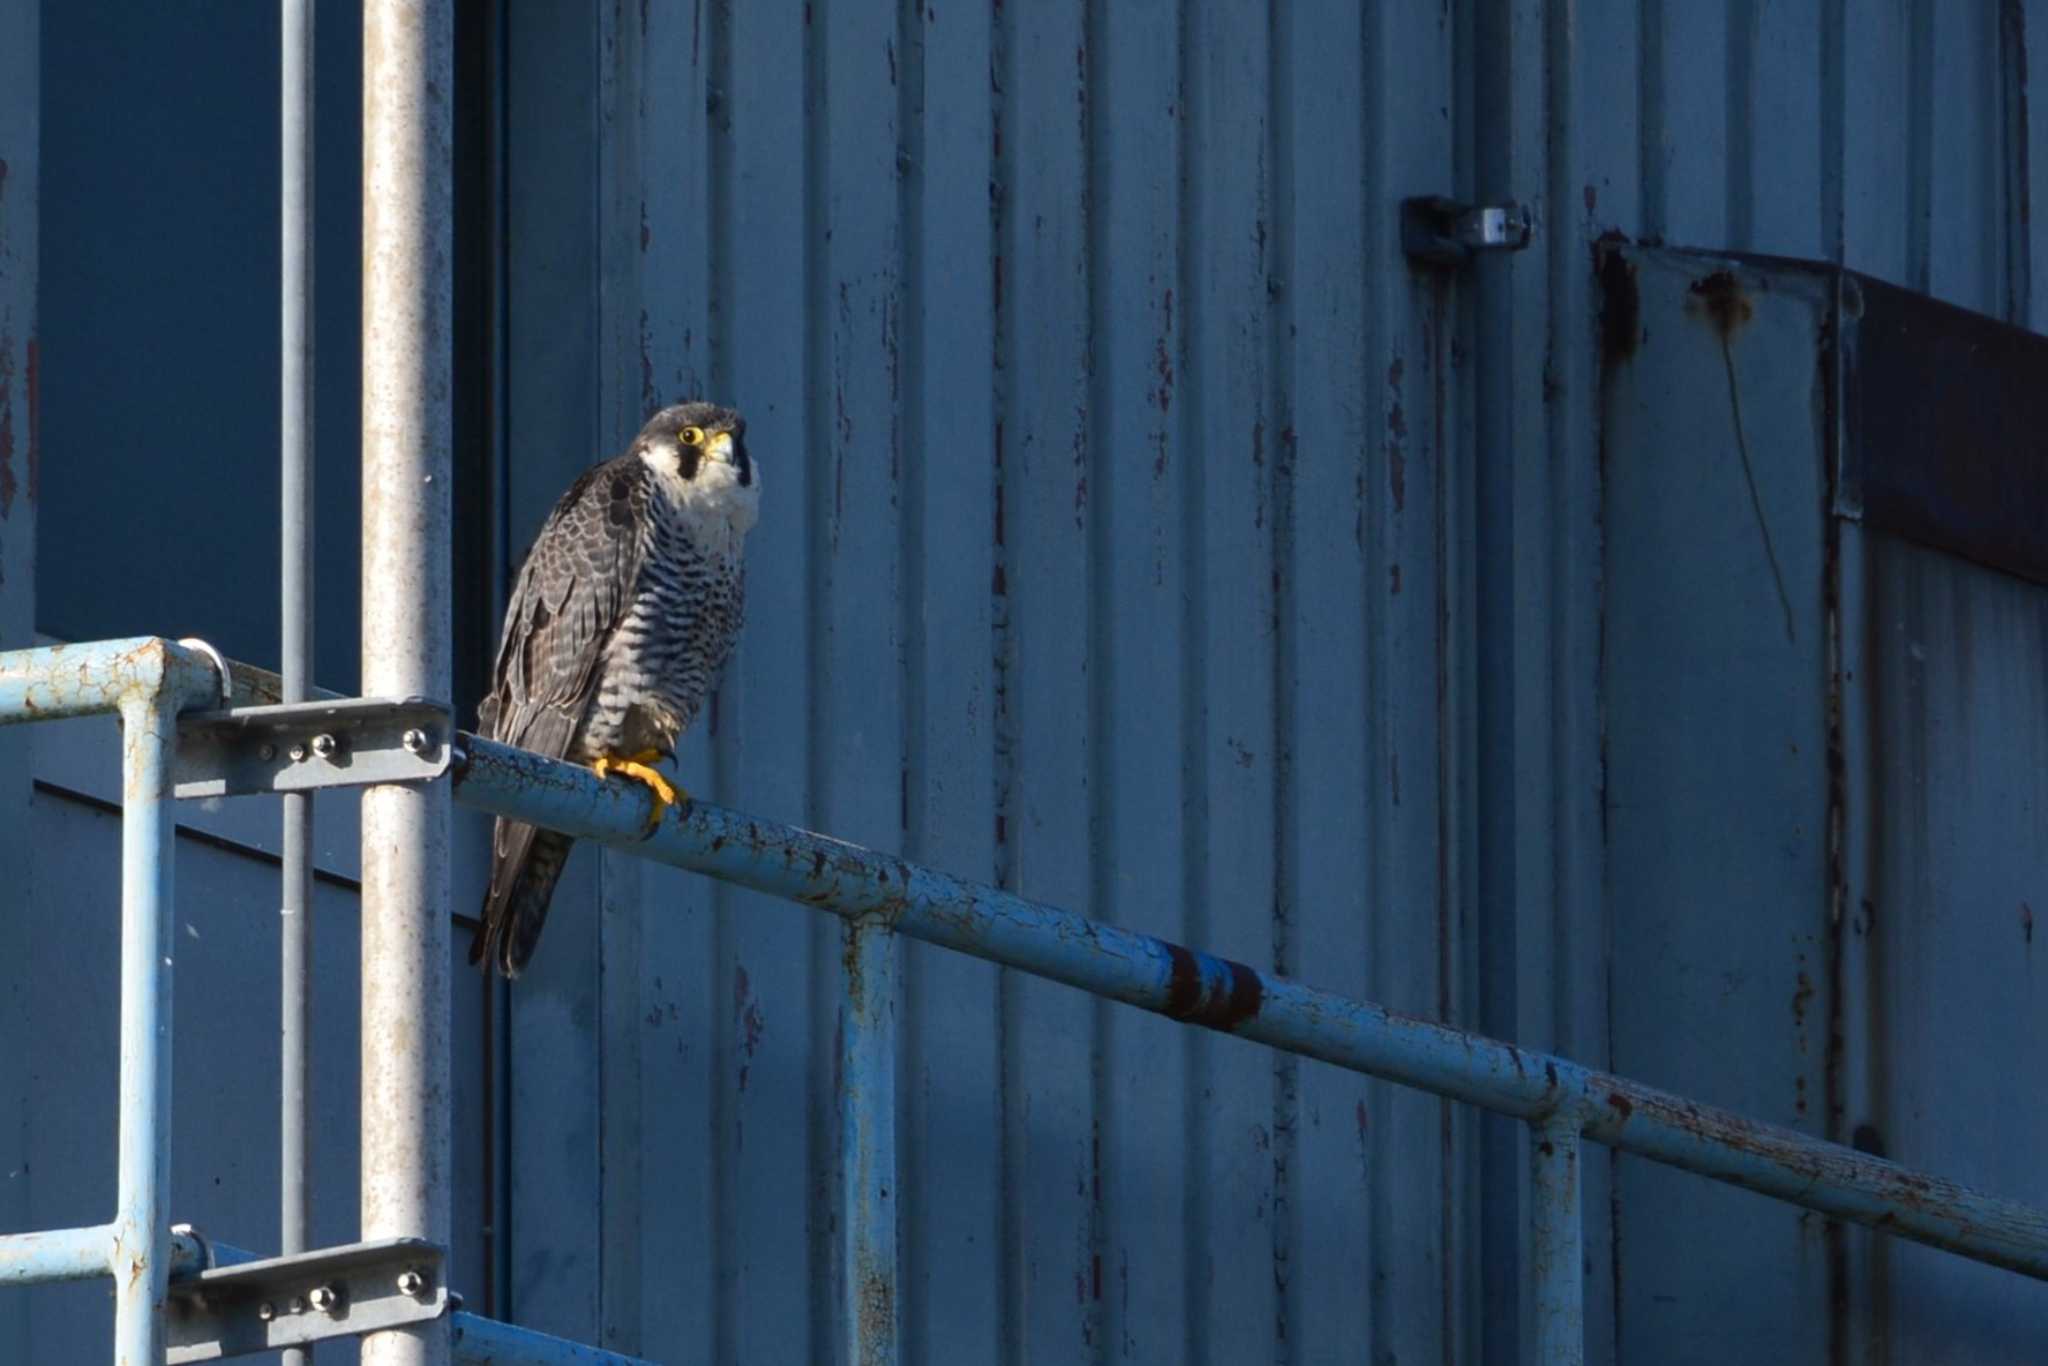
<point x="639" y="766"/>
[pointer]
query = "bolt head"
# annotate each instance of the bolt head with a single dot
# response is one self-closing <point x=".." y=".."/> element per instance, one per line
<point x="298" y="753"/>
<point x="268" y="751"/>
<point x="324" y="746"/>
<point x="415" y="741"/>
<point x="322" y="1297"/>
<point x="411" y="1283"/>
<point x="297" y="1305"/>
<point x="266" y="1311"/>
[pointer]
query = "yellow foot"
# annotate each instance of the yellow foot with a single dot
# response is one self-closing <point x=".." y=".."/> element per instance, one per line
<point x="640" y="767"/>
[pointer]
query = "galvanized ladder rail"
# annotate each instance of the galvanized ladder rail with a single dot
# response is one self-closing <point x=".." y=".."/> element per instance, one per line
<point x="195" y="725"/>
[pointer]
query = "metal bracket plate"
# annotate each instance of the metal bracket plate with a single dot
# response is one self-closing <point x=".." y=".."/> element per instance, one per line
<point x="302" y="746"/>
<point x="1443" y="232"/>
<point x="334" y="1292"/>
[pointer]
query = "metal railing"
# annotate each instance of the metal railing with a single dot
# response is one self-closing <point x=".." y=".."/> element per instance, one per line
<point x="148" y="682"/>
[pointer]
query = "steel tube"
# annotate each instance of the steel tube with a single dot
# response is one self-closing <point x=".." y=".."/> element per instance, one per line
<point x="868" y="1146"/>
<point x="1195" y="987"/>
<point x="139" y="1251"/>
<point x="295" y="455"/>
<point x="408" y="77"/>
<point x="58" y="1254"/>
<point x="54" y="682"/>
<point x="1556" y="1243"/>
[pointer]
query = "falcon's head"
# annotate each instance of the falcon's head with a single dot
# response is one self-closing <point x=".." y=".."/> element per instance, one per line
<point x="704" y="448"/>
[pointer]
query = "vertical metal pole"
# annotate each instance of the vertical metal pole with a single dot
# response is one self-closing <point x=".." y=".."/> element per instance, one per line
<point x="1556" y="1243"/>
<point x="295" y="903"/>
<point x="868" y="1146"/>
<point x="408" y="74"/>
<point x="140" y="1250"/>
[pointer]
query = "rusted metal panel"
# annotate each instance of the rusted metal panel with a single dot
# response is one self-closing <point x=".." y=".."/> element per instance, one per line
<point x="1716" y="782"/>
<point x="1947" y="428"/>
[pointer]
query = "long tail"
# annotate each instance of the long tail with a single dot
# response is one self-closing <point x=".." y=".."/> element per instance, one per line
<point x="525" y="863"/>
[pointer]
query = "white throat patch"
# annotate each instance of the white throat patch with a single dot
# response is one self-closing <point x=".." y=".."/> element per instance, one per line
<point x="716" y="509"/>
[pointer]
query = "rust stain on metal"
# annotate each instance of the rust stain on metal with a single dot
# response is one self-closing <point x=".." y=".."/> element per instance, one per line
<point x="1721" y="297"/>
<point x="876" y="1313"/>
<point x="7" y="484"/>
<point x="1621" y="1105"/>
<point x="1244" y="992"/>
<point x="1397" y="433"/>
<point x="747" y="1016"/>
<point x="1621" y="304"/>
<point x="32" y="382"/>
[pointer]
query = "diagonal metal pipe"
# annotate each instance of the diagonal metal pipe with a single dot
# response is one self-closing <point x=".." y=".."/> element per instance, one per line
<point x="1198" y="988"/>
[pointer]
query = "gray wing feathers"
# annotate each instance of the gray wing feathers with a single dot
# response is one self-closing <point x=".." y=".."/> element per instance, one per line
<point x="568" y="600"/>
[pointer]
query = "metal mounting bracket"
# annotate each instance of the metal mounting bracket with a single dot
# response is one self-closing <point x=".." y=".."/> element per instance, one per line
<point x="277" y="1302"/>
<point x="302" y="746"/>
<point x="1443" y="232"/>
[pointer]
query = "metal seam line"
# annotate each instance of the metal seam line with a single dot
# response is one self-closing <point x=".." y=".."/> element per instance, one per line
<point x="295" y="901"/>
<point x="1199" y="988"/>
<point x="407" y="198"/>
<point x="1556" y="1243"/>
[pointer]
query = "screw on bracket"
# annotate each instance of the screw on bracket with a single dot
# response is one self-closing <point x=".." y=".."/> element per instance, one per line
<point x="415" y="741"/>
<point x="325" y="745"/>
<point x="266" y="1311"/>
<point x="324" y="1298"/>
<point x="412" y="1283"/>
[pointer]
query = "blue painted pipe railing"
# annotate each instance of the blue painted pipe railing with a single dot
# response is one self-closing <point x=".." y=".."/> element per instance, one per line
<point x="148" y="682"/>
<point x="1201" y="989"/>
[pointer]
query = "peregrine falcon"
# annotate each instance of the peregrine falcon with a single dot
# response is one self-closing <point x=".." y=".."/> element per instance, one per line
<point x="626" y="608"/>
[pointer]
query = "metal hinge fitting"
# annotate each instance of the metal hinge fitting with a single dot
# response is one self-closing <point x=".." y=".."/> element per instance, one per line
<point x="1443" y="232"/>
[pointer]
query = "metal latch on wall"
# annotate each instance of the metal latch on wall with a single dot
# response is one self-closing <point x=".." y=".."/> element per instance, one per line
<point x="1443" y="232"/>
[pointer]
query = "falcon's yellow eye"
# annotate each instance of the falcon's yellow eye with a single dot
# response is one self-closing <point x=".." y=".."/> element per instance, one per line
<point x="693" y="436"/>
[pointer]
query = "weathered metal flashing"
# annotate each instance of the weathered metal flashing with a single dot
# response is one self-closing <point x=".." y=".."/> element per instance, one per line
<point x="1938" y="416"/>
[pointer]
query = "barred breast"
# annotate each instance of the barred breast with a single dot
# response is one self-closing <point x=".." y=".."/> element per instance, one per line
<point x="674" y="637"/>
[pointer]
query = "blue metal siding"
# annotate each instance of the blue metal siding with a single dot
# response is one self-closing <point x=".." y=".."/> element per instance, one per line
<point x="1093" y="554"/>
<point x="1717" y="787"/>
<point x="1948" y="748"/>
<point x="1142" y="534"/>
<point x="20" y="430"/>
<point x="159" y="352"/>
<point x="223" y="1102"/>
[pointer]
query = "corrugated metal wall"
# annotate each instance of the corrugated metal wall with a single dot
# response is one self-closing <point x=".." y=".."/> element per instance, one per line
<point x="1107" y="450"/>
<point x="1142" y="533"/>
